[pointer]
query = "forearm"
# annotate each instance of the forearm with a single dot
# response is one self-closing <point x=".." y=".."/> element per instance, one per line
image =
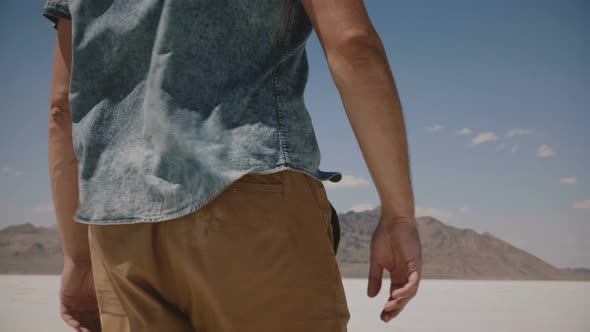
<point x="63" y="165"/>
<point x="369" y="95"/>
<point x="63" y="169"/>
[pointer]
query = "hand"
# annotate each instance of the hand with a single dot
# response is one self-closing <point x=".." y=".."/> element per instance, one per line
<point x="396" y="247"/>
<point x="78" y="305"/>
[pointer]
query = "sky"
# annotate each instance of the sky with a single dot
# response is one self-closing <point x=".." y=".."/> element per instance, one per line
<point x="496" y="99"/>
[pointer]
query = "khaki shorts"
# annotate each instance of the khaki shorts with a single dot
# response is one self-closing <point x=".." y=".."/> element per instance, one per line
<point x="259" y="257"/>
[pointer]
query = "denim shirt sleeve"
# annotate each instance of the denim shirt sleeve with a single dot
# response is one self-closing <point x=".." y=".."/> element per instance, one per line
<point x="54" y="9"/>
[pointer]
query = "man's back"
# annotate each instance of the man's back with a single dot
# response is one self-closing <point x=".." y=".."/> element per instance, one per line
<point x="174" y="100"/>
<point x="169" y="113"/>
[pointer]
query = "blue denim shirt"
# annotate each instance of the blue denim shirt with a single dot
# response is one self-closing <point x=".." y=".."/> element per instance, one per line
<point x="173" y="100"/>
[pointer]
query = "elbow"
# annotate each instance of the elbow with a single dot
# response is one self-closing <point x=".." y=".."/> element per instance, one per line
<point x="59" y="120"/>
<point x="59" y="114"/>
<point x="59" y="107"/>
<point x="356" y="51"/>
<point x="62" y="158"/>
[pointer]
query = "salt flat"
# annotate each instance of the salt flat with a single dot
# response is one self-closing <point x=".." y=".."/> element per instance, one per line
<point x="29" y="303"/>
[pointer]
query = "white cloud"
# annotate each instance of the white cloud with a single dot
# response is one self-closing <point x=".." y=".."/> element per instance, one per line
<point x="518" y="132"/>
<point x="348" y="181"/>
<point x="464" y="132"/>
<point x="435" y="128"/>
<point x="568" y="180"/>
<point x="545" y="151"/>
<point x="514" y="148"/>
<point x="437" y="213"/>
<point x="485" y="137"/>
<point x="582" y="205"/>
<point x="9" y="171"/>
<point x="43" y="208"/>
<point x="362" y="207"/>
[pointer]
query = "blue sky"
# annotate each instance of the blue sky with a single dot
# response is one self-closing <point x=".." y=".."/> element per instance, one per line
<point x="514" y="75"/>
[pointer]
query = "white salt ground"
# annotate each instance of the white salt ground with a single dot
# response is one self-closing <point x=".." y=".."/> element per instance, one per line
<point x="29" y="303"/>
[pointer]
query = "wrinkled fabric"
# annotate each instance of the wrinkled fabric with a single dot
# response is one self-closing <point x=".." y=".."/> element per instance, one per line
<point x="246" y="262"/>
<point x="174" y="100"/>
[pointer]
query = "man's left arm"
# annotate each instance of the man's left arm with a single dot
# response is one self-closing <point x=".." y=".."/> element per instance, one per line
<point x="63" y="165"/>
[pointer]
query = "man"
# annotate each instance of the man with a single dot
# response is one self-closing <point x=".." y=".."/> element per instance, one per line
<point x="184" y="165"/>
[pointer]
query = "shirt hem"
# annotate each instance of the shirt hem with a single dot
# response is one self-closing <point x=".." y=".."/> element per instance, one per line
<point x="333" y="176"/>
<point x="53" y="11"/>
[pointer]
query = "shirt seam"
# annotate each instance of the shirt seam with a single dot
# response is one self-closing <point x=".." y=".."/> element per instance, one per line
<point x="280" y="104"/>
<point x="58" y="6"/>
<point x="279" y="117"/>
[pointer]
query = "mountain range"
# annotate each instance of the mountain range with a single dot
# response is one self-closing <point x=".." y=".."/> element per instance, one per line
<point x="448" y="252"/>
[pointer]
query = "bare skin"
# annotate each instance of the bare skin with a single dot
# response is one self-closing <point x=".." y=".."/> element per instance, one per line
<point x="78" y="305"/>
<point x="361" y="72"/>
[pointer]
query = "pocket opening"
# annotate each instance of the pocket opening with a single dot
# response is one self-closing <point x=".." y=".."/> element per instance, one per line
<point x="269" y="182"/>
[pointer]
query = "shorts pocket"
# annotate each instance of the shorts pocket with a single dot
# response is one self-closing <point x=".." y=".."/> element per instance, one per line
<point x="325" y="208"/>
<point x="318" y="191"/>
<point x="257" y="182"/>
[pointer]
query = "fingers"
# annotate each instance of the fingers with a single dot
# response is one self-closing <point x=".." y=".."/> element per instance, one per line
<point x="387" y="316"/>
<point x="375" y="278"/>
<point x="71" y="321"/>
<point x="402" y="289"/>
<point x="410" y="287"/>
<point x="398" y="303"/>
<point x="393" y="307"/>
<point x="84" y="321"/>
<point x="398" y="278"/>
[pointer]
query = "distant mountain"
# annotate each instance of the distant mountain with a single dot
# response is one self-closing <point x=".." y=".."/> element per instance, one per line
<point x="30" y="249"/>
<point x="449" y="252"/>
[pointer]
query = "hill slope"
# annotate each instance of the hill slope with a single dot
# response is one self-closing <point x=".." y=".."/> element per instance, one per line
<point x="449" y="252"/>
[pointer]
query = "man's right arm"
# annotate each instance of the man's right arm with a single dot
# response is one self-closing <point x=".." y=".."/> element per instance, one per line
<point x="361" y="72"/>
<point x="360" y="69"/>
